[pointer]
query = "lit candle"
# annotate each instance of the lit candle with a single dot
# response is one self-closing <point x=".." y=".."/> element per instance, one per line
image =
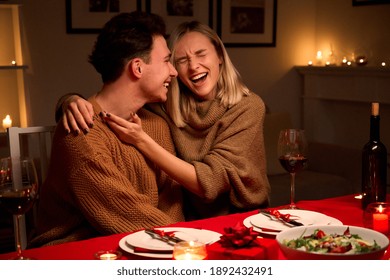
<point x="383" y="64"/>
<point x="189" y="251"/>
<point x="13" y="62"/>
<point x="380" y="221"/>
<point x="108" y="255"/>
<point x="319" y="58"/>
<point x="327" y="63"/>
<point x="310" y="63"/>
<point x="7" y="122"/>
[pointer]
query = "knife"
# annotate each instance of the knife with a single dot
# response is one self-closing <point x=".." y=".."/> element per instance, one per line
<point x="289" y="222"/>
<point x="167" y="238"/>
<point x="151" y="251"/>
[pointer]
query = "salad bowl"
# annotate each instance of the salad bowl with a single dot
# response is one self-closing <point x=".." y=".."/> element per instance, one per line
<point x="332" y="242"/>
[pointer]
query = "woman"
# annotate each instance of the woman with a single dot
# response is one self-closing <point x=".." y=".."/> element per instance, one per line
<point x="216" y="124"/>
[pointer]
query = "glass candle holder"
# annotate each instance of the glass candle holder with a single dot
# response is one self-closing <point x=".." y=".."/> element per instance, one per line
<point x="189" y="250"/>
<point x="377" y="217"/>
<point x="108" y="255"/>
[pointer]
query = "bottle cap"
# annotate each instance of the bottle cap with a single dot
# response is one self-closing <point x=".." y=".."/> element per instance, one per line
<point x="375" y="109"/>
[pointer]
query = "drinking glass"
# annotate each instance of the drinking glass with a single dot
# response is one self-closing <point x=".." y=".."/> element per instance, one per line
<point x="292" y="154"/>
<point x="18" y="192"/>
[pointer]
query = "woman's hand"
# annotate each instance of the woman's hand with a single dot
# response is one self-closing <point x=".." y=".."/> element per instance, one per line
<point x="130" y="132"/>
<point x="77" y="114"/>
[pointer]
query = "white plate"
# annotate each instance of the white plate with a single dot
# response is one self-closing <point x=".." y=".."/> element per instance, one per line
<point x="144" y="240"/>
<point x="260" y="223"/>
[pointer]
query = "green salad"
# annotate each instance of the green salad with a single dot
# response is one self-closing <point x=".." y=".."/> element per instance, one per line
<point x="319" y="242"/>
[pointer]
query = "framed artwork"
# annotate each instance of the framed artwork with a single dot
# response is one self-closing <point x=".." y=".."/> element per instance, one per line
<point x="247" y="23"/>
<point x="175" y="12"/>
<point x="369" y="2"/>
<point x="89" y="16"/>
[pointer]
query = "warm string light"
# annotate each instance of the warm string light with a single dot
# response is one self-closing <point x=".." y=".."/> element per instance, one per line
<point x="331" y="60"/>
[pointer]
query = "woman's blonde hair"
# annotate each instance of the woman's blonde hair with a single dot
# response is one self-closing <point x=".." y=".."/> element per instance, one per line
<point x="230" y="87"/>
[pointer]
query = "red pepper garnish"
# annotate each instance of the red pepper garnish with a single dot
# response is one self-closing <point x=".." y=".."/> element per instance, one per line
<point x="320" y="234"/>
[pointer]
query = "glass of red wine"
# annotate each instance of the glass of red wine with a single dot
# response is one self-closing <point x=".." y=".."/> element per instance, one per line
<point x="292" y="154"/>
<point x="18" y="192"/>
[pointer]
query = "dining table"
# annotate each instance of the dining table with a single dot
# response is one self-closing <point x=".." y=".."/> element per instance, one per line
<point x="346" y="208"/>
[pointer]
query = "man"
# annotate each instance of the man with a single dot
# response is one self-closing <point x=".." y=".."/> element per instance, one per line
<point x="96" y="184"/>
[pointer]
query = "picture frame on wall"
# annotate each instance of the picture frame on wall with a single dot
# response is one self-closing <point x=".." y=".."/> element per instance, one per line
<point x="175" y="12"/>
<point x="369" y="2"/>
<point x="247" y="23"/>
<point x="89" y="16"/>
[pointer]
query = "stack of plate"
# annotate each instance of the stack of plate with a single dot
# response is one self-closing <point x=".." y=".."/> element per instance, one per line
<point x="271" y="226"/>
<point x="142" y="244"/>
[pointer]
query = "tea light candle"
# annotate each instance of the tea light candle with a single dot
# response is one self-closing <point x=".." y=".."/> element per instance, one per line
<point x="13" y="63"/>
<point x="361" y="60"/>
<point x="310" y="63"/>
<point x="383" y="64"/>
<point x="7" y="122"/>
<point x="376" y="217"/>
<point x="108" y="255"/>
<point x="380" y="220"/>
<point x="190" y="250"/>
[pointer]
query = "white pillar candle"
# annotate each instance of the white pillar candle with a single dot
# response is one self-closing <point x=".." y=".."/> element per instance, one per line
<point x="7" y="122"/>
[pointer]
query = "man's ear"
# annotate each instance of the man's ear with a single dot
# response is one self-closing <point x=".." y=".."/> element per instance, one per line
<point x="136" y="67"/>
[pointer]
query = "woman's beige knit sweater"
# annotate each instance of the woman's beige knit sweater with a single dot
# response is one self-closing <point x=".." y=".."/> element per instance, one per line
<point x="98" y="185"/>
<point x="226" y="146"/>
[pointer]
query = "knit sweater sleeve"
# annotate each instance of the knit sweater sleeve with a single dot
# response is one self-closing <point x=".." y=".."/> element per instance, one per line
<point x="121" y="201"/>
<point x="101" y="182"/>
<point x="236" y="162"/>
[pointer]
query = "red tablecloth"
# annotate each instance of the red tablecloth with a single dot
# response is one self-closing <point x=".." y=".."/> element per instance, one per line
<point x="346" y="208"/>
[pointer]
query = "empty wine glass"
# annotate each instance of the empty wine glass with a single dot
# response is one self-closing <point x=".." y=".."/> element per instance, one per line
<point x="18" y="192"/>
<point x="292" y="154"/>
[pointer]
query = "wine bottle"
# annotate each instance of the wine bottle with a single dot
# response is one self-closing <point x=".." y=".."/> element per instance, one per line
<point x="374" y="163"/>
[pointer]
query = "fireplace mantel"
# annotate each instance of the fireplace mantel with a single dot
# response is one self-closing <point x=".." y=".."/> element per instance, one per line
<point x="336" y="103"/>
<point x="347" y="83"/>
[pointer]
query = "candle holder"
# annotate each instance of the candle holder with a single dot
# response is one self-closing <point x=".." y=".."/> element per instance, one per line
<point x="108" y="255"/>
<point x="377" y="217"/>
<point x="189" y="250"/>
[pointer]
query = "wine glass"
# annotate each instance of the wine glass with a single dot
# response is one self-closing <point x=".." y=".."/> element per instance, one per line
<point x="292" y="154"/>
<point x="18" y="192"/>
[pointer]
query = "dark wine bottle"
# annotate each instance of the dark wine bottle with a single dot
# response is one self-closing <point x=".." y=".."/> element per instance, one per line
<point x="374" y="163"/>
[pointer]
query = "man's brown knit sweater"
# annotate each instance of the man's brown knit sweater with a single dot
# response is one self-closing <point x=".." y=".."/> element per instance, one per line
<point x="98" y="185"/>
